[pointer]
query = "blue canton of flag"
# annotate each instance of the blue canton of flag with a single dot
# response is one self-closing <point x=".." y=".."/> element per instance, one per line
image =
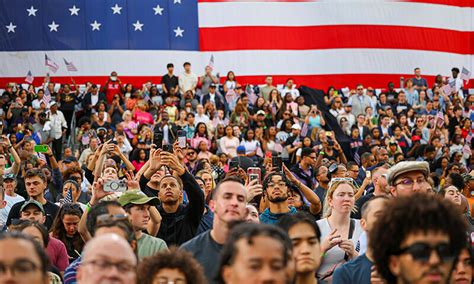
<point x="92" y="24"/>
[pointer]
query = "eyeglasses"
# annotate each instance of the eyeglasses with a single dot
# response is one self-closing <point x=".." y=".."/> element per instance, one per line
<point x="409" y="183"/>
<point x="422" y="251"/>
<point x="360" y="89"/>
<point x="190" y="153"/>
<point x="103" y="264"/>
<point x="280" y="184"/>
<point x="105" y="219"/>
<point x="312" y="157"/>
<point x="19" y="267"/>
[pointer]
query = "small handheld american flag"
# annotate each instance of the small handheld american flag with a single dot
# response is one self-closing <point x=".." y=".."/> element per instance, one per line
<point x="465" y="74"/>
<point x="29" y="77"/>
<point x="69" y="66"/>
<point x="68" y="198"/>
<point x="51" y="64"/>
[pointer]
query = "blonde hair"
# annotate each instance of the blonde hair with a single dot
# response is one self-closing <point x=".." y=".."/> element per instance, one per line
<point x="327" y="210"/>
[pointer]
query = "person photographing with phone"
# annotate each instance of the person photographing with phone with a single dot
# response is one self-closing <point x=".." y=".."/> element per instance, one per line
<point x="314" y="119"/>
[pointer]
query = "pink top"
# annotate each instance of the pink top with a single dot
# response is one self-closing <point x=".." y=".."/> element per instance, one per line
<point x="142" y="117"/>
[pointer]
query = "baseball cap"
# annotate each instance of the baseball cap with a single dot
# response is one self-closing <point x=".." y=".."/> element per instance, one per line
<point x="212" y="85"/>
<point x="241" y="149"/>
<point x="33" y="203"/>
<point x="348" y="105"/>
<point x="406" y="167"/>
<point x="52" y="103"/>
<point x="9" y="177"/>
<point x="296" y="126"/>
<point x="261" y="112"/>
<point x="137" y="197"/>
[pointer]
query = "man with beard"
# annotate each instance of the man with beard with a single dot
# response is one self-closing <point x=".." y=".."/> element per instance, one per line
<point x="417" y="239"/>
<point x="228" y="204"/>
<point x="180" y="222"/>
<point x="275" y="191"/>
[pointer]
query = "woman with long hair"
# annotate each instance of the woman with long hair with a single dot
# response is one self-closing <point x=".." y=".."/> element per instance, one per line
<point x="230" y="82"/>
<point x="269" y="139"/>
<point x="139" y="159"/>
<point x="66" y="229"/>
<point x="240" y="115"/>
<point x="200" y="134"/>
<point x="252" y="146"/>
<point x="339" y="232"/>
<point x="229" y="143"/>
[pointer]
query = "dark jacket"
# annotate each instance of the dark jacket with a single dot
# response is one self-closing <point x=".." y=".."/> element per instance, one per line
<point x="181" y="226"/>
<point x="87" y="101"/>
<point x="219" y="101"/>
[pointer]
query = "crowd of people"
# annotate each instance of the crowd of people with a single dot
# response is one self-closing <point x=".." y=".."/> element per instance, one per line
<point x="200" y="179"/>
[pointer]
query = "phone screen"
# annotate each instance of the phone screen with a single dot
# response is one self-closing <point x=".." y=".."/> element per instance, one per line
<point x="277" y="163"/>
<point x="182" y="138"/>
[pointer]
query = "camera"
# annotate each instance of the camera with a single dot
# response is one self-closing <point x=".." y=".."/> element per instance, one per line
<point x="115" y="186"/>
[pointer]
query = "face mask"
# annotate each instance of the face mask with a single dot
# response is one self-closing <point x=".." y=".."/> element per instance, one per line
<point x="188" y="109"/>
<point x="113" y="78"/>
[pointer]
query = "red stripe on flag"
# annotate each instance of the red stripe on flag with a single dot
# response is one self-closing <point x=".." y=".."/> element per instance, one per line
<point x="332" y="37"/>
<point x="457" y="3"/>
<point x="314" y="81"/>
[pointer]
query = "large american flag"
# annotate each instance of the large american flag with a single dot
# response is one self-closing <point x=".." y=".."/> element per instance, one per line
<point x="319" y="43"/>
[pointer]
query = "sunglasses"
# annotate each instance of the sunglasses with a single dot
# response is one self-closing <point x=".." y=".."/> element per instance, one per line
<point x="422" y="251"/>
<point x="106" y="219"/>
<point x="341" y="180"/>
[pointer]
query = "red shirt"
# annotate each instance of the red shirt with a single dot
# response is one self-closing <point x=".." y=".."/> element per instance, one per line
<point x="111" y="89"/>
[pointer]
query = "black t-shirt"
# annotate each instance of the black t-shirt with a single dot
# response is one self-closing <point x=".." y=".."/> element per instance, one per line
<point x="50" y="208"/>
<point x="169" y="82"/>
<point x="207" y="252"/>
<point x="68" y="101"/>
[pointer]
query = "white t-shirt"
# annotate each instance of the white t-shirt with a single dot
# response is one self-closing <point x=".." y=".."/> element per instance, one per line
<point x="10" y="202"/>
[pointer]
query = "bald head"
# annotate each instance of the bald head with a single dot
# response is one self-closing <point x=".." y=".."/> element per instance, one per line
<point x="107" y="258"/>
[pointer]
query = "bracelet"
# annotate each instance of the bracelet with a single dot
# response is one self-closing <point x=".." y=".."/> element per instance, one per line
<point x="88" y="207"/>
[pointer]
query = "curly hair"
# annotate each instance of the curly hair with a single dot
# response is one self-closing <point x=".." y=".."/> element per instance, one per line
<point x="407" y="215"/>
<point x="172" y="259"/>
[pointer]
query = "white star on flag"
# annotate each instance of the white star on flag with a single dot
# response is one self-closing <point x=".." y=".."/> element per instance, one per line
<point x="138" y="26"/>
<point x="178" y="32"/>
<point x="96" y="26"/>
<point x="53" y="27"/>
<point x="116" y="9"/>
<point x="11" y="28"/>
<point x="158" y="10"/>
<point x="74" y="10"/>
<point x="177" y="2"/>
<point x="32" y="11"/>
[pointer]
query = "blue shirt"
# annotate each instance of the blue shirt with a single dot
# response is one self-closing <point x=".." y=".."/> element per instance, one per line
<point x="268" y="217"/>
<point x="354" y="272"/>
